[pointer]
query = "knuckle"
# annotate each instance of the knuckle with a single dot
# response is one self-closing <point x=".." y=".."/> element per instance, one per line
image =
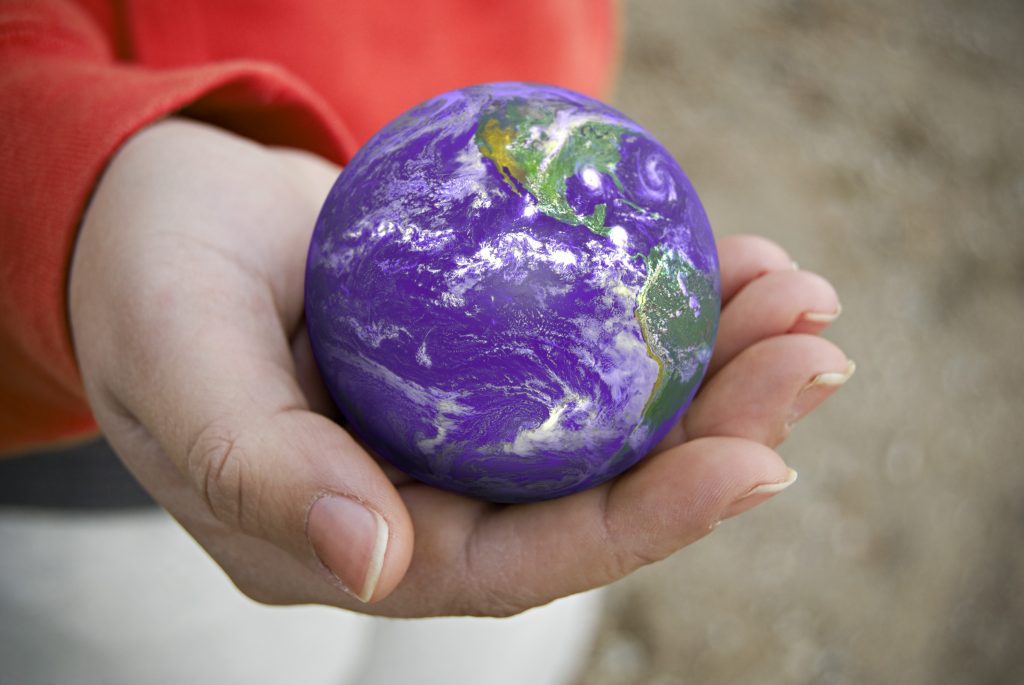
<point x="485" y="591"/>
<point x="625" y="559"/>
<point x="217" y="468"/>
<point x="628" y="552"/>
<point x="632" y="559"/>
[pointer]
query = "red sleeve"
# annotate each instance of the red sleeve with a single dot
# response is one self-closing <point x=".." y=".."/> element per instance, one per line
<point x="78" y="77"/>
<point x="66" y="105"/>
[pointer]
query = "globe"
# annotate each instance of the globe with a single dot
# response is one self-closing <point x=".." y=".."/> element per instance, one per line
<point x="512" y="292"/>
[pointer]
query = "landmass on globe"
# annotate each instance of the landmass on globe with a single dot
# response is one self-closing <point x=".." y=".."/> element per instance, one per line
<point x="512" y="292"/>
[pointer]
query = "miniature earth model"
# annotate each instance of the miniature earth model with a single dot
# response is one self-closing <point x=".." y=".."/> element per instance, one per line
<point x="512" y="292"/>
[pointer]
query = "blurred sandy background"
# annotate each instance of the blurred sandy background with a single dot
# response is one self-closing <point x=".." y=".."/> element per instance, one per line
<point x="882" y="143"/>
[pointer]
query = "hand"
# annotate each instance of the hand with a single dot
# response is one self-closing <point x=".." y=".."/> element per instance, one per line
<point x="186" y="309"/>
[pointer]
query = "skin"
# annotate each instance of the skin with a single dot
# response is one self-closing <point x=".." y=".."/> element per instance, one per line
<point x="186" y="311"/>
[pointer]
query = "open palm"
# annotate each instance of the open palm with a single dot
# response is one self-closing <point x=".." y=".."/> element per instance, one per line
<point x="186" y="309"/>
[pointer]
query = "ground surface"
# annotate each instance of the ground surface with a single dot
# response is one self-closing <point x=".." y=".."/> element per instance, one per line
<point x="883" y="144"/>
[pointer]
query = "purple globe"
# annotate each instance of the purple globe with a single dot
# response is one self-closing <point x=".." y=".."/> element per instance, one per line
<point x="512" y="292"/>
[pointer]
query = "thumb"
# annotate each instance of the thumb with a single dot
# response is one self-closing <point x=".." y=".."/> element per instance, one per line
<point x="287" y="475"/>
<point x="219" y="395"/>
<point x="186" y="275"/>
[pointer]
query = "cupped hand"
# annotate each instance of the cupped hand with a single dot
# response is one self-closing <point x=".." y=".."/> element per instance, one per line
<point x="186" y="296"/>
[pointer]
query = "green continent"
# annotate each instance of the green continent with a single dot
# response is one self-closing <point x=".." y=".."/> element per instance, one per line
<point x="534" y="151"/>
<point x="673" y="329"/>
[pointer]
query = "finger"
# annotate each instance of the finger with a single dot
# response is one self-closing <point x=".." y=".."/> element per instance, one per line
<point x="742" y="258"/>
<point x="767" y="388"/>
<point x="521" y="556"/>
<point x="779" y="302"/>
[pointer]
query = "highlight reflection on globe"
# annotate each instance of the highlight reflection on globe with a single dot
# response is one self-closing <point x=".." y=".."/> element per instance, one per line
<point x="512" y="292"/>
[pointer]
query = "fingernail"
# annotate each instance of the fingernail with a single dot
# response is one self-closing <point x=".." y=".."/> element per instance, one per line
<point x="823" y="317"/>
<point x="350" y="540"/>
<point x="758" y="495"/>
<point x="811" y="394"/>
